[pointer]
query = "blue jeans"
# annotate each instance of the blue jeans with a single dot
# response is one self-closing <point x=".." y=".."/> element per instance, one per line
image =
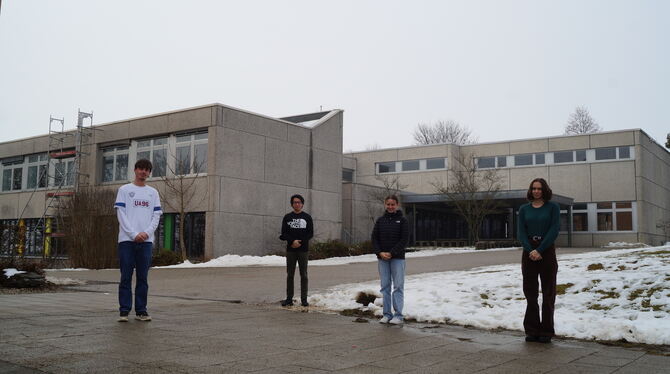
<point x="134" y="256"/>
<point x="392" y="270"/>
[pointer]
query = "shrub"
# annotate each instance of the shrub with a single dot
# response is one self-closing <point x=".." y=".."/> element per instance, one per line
<point x="362" y="248"/>
<point x="329" y="248"/>
<point x="166" y="257"/>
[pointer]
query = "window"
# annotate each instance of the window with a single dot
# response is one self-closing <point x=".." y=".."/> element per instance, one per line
<point x="37" y="171"/>
<point x="539" y="158"/>
<point x="580" y="155"/>
<point x="64" y="172"/>
<point x="154" y="150"/>
<point x="521" y="160"/>
<point x="560" y="157"/>
<point x="624" y="152"/>
<point x="347" y="175"/>
<point x="191" y="155"/>
<point x="12" y="174"/>
<point x="386" y="167"/>
<point x="580" y="218"/>
<point x="435" y="163"/>
<point x="115" y="164"/>
<point x="502" y="161"/>
<point x="486" y="162"/>
<point x="617" y="216"/>
<point x="606" y="153"/>
<point x="410" y="165"/>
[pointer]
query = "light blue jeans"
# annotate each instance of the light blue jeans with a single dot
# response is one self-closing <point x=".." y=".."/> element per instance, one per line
<point x="392" y="272"/>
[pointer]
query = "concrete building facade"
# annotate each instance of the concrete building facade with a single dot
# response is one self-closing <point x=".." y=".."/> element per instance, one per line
<point x="245" y="167"/>
<point x="614" y="186"/>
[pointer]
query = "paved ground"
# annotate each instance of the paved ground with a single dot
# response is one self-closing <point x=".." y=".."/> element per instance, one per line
<point x="76" y="332"/>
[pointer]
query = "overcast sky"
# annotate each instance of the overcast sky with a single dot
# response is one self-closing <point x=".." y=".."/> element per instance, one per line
<point x="506" y="69"/>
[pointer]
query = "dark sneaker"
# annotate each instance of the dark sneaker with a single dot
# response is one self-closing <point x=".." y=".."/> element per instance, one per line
<point x="304" y="303"/>
<point x="544" y="339"/>
<point x="123" y="317"/>
<point x="287" y="302"/>
<point x="531" y="338"/>
<point x="143" y="317"/>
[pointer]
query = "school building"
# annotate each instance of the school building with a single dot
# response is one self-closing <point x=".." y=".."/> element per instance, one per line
<point x="612" y="186"/>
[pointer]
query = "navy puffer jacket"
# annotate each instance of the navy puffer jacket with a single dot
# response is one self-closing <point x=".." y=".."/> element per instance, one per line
<point x="391" y="234"/>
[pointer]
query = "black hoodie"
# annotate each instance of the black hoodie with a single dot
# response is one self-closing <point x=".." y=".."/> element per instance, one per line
<point x="391" y="234"/>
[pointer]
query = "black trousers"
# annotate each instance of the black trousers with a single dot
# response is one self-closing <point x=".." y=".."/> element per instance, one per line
<point x="291" y="258"/>
<point x="546" y="269"/>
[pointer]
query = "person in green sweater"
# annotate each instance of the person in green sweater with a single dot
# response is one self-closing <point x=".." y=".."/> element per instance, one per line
<point x="538" y="226"/>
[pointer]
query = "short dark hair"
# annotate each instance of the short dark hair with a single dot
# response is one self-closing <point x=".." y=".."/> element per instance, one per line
<point x="143" y="164"/>
<point x="392" y="197"/>
<point x="297" y="196"/>
<point x="546" y="191"/>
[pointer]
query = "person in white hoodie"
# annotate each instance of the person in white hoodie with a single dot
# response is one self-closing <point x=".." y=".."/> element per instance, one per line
<point x="138" y="209"/>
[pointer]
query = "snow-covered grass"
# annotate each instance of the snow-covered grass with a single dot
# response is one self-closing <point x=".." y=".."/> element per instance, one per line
<point x="625" y="245"/>
<point x="65" y="281"/>
<point x="236" y="260"/>
<point x="613" y="295"/>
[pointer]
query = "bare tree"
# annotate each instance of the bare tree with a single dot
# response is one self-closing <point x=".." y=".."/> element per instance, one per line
<point x="581" y="122"/>
<point x="472" y="192"/>
<point x="443" y="132"/>
<point x="179" y="191"/>
<point x="372" y="147"/>
<point x="667" y="141"/>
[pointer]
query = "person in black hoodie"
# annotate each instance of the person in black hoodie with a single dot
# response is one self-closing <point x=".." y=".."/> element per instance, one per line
<point x="296" y="229"/>
<point x="389" y="239"/>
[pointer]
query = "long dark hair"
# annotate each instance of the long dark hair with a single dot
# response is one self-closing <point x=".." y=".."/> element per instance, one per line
<point x="546" y="191"/>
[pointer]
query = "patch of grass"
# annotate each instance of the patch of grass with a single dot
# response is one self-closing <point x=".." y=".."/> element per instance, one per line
<point x="599" y="307"/>
<point x="655" y="253"/>
<point x="621" y="268"/>
<point x="597" y="266"/>
<point x="646" y="303"/>
<point x="520" y="298"/>
<point x="652" y="290"/>
<point x="509" y="298"/>
<point x="484" y="296"/>
<point x="560" y="288"/>
<point x="635" y="294"/>
<point x="608" y="294"/>
<point x="487" y="304"/>
<point x="594" y="282"/>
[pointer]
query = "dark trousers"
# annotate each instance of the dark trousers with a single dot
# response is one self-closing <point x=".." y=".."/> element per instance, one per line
<point x="291" y="258"/>
<point x="546" y="269"/>
<point x="134" y="257"/>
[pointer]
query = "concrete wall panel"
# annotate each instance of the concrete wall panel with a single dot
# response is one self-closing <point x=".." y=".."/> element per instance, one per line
<point x="422" y="152"/>
<point x="190" y="119"/>
<point x="613" y="181"/>
<point x="327" y="170"/>
<point x="242" y="155"/>
<point x="572" y="181"/>
<point x="300" y="135"/>
<point x="529" y="146"/>
<point x="567" y="143"/>
<point x="612" y="139"/>
<point x="286" y="163"/>
<point x="245" y="196"/>
<point x="484" y="150"/>
<point x="520" y="178"/>
<point x="326" y="205"/>
<point x="238" y="234"/>
<point x="148" y="127"/>
<point x="327" y="135"/>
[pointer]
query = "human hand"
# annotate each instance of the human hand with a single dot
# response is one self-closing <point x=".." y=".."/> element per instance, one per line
<point x="535" y="255"/>
<point x="141" y="237"/>
<point x="296" y="244"/>
<point x="385" y="255"/>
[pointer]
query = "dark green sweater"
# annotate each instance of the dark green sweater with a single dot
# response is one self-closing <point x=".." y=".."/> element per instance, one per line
<point x="543" y="221"/>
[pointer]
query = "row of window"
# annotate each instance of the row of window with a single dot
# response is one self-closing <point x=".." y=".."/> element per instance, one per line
<point x="604" y="216"/>
<point x="183" y="154"/>
<point x="178" y="154"/>
<point x="560" y="157"/>
<point x="439" y="163"/>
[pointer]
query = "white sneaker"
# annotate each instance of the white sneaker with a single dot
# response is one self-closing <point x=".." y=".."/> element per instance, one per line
<point x="396" y="321"/>
<point x="384" y="320"/>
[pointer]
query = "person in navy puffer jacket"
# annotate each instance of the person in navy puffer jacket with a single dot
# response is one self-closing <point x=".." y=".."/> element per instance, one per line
<point x="389" y="239"/>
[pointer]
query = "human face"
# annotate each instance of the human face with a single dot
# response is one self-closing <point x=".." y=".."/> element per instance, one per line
<point x="391" y="205"/>
<point x="297" y="205"/>
<point x="141" y="176"/>
<point x="536" y="190"/>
